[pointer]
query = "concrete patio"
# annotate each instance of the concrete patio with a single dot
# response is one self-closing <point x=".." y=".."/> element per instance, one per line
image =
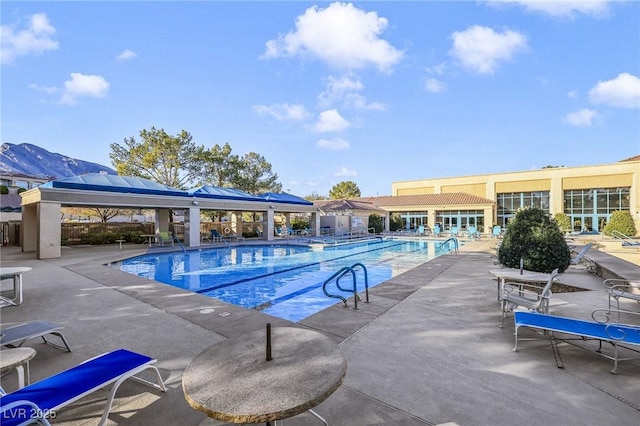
<point x="427" y="350"/>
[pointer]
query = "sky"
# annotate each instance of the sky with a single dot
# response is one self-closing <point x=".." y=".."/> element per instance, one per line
<point x="372" y="92"/>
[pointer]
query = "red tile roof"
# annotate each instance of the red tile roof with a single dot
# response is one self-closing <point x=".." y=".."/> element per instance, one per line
<point x="634" y="158"/>
<point x="427" y="200"/>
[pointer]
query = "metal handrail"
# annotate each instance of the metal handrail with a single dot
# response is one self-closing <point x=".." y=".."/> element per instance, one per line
<point x="455" y="244"/>
<point x="341" y="273"/>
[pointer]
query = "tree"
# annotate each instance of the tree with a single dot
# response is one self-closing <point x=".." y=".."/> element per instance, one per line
<point x="376" y="222"/>
<point x="344" y="189"/>
<point x="622" y="222"/>
<point x="564" y="221"/>
<point x="250" y="173"/>
<point x="171" y="160"/>
<point x="315" y="196"/>
<point x="219" y="166"/>
<point x="253" y="175"/>
<point x="536" y="239"/>
<point x="105" y="214"/>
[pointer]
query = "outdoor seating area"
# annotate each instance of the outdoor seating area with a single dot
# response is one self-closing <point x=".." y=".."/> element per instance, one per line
<point x="413" y="313"/>
<point x="602" y="330"/>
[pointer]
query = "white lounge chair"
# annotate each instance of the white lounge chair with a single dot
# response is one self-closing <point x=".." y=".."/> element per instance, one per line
<point x="579" y="257"/>
<point x="528" y="296"/>
<point x="62" y="389"/>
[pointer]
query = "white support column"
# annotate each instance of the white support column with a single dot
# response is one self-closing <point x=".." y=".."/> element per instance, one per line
<point x="162" y="217"/>
<point x="192" y="227"/>
<point x="267" y="225"/>
<point x="29" y="228"/>
<point x="314" y="224"/>
<point x="49" y="230"/>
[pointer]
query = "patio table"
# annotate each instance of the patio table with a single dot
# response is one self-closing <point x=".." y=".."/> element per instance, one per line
<point x="14" y="273"/>
<point x="234" y="381"/>
<point x="511" y="274"/>
<point x="148" y="238"/>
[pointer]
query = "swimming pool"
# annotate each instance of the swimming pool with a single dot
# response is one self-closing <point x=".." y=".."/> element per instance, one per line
<point x="284" y="281"/>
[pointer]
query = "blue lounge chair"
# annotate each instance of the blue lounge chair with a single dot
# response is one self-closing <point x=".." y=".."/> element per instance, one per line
<point x="216" y="237"/>
<point x="60" y="390"/>
<point x="617" y="334"/>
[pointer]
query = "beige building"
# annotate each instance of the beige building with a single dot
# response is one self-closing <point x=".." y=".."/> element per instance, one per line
<point x="588" y="194"/>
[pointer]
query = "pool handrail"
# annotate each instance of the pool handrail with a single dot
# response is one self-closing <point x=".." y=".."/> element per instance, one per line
<point x="341" y="273"/>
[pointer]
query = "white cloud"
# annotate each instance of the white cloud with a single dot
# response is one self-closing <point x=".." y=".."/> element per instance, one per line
<point x="126" y="54"/>
<point x="343" y="90"/>
<point x="434" y="85"/>
<point x="337" y="87"/>
<point x="582" y="118"/>
<point x="341" y="35"/>
<point x="36" y="38"/>
<point x="330" y="121"/>
<point x="437" y="70"/>
<point x="344" y="172"/>
<point x="561" y="8"/>
<point x="335" y="144"/>
<point x="47" y="90"/>
<point x="282" y="112"/>
<point x="572" y="94"/>
<point x="84" y="86"/>
<point x="622" y="92"/>
<point x="481" y="48"/>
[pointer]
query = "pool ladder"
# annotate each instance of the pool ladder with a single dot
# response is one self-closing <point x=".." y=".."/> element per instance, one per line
<point x="448" y="242"/>
<point x="340" y="274"/>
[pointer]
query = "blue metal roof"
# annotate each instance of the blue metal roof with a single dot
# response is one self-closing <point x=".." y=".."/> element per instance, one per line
<point x="115" y="183"/>
<point x="285" y="198"/>
<point x="208" y="191"/>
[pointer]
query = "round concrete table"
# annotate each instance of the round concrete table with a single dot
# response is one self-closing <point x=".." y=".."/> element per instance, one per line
<point x="232" y="381"/>
<point x="17" y="358"/>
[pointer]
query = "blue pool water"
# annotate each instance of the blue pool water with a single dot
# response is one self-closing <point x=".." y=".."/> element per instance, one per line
<point x="284" y="281"/>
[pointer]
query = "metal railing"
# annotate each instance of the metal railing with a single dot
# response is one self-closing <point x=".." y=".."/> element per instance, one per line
<point x="449" y="242"/>
<point x="342" y="273"/>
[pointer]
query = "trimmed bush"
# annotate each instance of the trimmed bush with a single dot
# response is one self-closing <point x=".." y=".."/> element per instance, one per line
<point x="564" y="222"/>
<point x="536" y="238"/>
<point x="622" y="222"/>
<point x="375" y="222"/>
<point x="4" y="189"/>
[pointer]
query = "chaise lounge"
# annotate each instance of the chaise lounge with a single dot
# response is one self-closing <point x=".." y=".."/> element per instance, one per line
<point x="617" y="334"/>
<point x="17" y="335"/>
<point x="62" y="389"/>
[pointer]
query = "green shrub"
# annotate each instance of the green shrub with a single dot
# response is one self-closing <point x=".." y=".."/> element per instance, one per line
<point x="536" y="238"/>
<point x="621" y="221"/>
<point x="564" y="222"/>
<point x="21" y="190"/>
<point x="375" y="222"/>
<point x="102" y="238"/>
<point x="4" y="189"/>
<point x="395" y="222"/>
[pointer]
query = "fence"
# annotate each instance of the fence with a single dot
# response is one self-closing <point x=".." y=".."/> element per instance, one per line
<point x="72" y="233"/>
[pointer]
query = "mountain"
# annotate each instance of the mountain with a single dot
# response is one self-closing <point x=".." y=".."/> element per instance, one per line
<point x="28" y="159"/>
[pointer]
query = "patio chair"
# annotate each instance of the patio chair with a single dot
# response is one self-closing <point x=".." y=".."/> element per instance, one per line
<point x="528" y="296"/>
<point x="62" y="389"/>
<point x="216" y="237"/>
<point x="17" y="335"/>
<point x="496" y="232"/>
<point x="165" y="236"/>
<point x="437" y="230"/>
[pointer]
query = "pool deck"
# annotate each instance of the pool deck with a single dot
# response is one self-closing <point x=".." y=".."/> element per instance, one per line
<point x="427" y="349"/>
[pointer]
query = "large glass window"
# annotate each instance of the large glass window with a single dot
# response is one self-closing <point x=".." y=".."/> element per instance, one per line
<point x="509" y="203"/>
<point x="591" y="209"/>
<point x="461" y="219"/>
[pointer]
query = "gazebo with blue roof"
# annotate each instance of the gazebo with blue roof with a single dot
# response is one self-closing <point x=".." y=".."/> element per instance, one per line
<point x="41" y="206"/>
